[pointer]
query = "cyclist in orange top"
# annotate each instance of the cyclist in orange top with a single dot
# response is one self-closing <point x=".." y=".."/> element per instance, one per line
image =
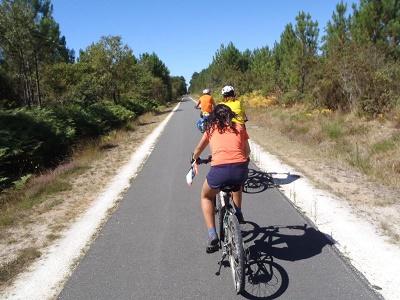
<point x="206" y="102"/>
<point x="230" y="152"/>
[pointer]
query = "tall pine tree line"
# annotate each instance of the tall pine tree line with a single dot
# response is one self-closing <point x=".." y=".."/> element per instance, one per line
<point x="354" y="66"/>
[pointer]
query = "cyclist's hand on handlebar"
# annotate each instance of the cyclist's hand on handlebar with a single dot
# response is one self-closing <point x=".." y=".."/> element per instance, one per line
<point x="192" y="159"/>
<point x="200" y="160"/>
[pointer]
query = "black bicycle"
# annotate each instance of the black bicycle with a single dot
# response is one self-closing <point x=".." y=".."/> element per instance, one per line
<point x="230" y="234"/>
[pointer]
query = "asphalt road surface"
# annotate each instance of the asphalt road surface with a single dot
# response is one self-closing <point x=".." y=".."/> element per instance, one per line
<point x="153" y="246"/>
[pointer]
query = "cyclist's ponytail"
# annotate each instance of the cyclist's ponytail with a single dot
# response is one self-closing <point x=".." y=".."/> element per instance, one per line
<point x="221" y="119"/>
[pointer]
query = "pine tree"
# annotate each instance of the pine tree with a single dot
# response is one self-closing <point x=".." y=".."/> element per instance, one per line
<point x="378" y="22"/>
<point x="306" y="53"/>
<point x="285" y="59"/>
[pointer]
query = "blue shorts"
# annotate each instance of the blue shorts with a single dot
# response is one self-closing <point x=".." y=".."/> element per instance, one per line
<point x="229" y="174"/>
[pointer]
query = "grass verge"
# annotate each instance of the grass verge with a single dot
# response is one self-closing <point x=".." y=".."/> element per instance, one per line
<point x="370" y="146"/>
<point x="9" y="270"/>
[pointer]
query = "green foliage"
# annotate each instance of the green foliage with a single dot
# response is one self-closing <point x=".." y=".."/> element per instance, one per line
<point x="263" y="69"/>
<point x="306" y="53"/>
<point x="64" y="101"/>
<point x="337" y="31"/>
<point x="140" y="106"/>
<point x="378" y="22"/>
<point x="31" y="140"/>
<point x="112" y="65"/>
<point x="229" y="66"/>
<point x="161" y="82"/>
<point x="109" y="115"/>
<point x="30" y="38"/>
<point x="284" y="53"/>
<point x="18" y="184"/>
<point x="178" y="85"/>
<point x="358" y="68"/>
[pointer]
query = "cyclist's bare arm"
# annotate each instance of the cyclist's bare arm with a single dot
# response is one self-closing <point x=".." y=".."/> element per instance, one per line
<point x="200" y="147"/>
<point x="198" y="104"/>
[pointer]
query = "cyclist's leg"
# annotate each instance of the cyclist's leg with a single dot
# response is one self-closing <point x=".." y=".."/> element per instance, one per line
<point x="237" y="198"/>
<point x="240" y="173"/>
<point x="207" y="204"/>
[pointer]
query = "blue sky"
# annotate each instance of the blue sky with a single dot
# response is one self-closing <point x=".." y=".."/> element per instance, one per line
<point x="184" y="34"/>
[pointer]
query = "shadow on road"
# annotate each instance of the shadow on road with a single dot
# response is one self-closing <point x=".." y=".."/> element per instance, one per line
<point x="265" y="278"/>
<point x="167" y="111"/>
<point x="258" y="181"/>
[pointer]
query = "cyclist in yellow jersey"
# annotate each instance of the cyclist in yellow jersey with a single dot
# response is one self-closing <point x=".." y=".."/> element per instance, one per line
<point x="230" y="100"/>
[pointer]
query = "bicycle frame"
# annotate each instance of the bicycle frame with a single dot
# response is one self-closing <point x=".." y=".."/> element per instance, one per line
<point x="226" y="239"/>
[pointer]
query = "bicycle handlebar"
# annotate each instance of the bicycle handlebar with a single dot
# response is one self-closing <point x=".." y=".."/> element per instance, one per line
<point x="201" y="161"/>
<point x="204" y="161"/>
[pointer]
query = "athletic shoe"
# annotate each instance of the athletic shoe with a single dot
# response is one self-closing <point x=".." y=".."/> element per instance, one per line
<point x="212" y="245"/>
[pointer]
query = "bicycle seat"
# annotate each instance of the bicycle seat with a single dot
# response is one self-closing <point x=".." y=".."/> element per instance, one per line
<point x="230" y="188"/>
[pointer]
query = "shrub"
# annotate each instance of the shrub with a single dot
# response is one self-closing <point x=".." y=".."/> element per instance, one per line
<point x="109" y="115"/>
<point x="290" y="98"/>
<point x="86" y="125"/>
<point x="31" y="140"/>
<point x="134" y="105"/>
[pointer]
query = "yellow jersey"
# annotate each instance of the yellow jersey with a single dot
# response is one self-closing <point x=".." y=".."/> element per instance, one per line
<point x="237" y="107"/>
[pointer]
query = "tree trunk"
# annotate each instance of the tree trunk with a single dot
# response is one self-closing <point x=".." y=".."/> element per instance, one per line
<point x="23" y="85"/>
<point x="30" y="85"/>
<point x="38" y="82"/>
<point x="26" y="87"/>
<point x="114" y="95"/>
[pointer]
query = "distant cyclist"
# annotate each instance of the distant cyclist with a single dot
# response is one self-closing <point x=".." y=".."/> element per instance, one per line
<point x="230" y="152"/>
<point x="229" y="99"/>
<point x="206" y="103"/>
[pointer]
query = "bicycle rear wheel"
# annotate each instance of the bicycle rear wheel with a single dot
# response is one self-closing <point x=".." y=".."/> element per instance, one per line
<point x="235" y="252"/>
<point x="220" y="217"/>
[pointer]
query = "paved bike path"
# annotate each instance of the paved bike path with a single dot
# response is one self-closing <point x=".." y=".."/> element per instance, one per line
<point x="153" y="246"/>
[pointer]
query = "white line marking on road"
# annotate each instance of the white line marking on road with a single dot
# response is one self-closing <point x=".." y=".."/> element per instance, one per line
<point x="46" y="277"/>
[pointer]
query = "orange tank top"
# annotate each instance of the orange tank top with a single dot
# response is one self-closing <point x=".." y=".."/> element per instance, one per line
<point x="228" y="147"/>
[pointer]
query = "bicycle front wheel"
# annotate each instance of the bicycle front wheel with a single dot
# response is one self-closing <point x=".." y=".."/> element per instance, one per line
<point x="235" y="252"/>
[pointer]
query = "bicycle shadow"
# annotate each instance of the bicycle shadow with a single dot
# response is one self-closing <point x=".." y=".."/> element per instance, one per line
<point x="259" y="181"/>
<point x="265" y="278"/>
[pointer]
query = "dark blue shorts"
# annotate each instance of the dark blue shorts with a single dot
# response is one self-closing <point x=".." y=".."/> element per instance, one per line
<point x="229" y="174"/>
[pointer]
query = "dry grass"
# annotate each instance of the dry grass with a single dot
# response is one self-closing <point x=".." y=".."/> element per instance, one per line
<point x="15" y="203"/>
<point x="370" y="146"/>
<point x="51" y="236"/>
<point x="9" y="270"/>
<point x="388" y="230"/>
